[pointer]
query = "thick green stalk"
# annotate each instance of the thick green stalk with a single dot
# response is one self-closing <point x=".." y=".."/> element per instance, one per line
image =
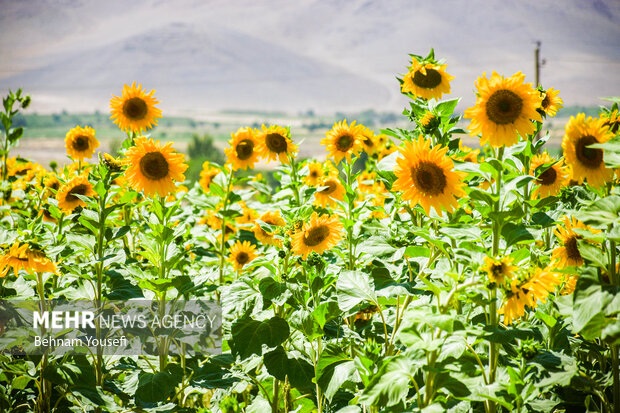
<point x="223" y="240"/>
<point x="350" y="218"/>
<point x="42" y="402"/>
<point x="615" y="370"/>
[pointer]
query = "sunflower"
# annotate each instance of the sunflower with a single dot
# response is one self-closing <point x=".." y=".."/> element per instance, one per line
<point x="568" y="254"/>
<point x="153" y="168"/>
<point x="333" y="192"/>
<point x="570" y="282"/>
<point x="207" y="174"/>
<point x="470" y="155"/>
<point x="426" y="176"/>
<point x="586" y="163"/>
<point x="66" y="195"/>
<point x="113" y="164"/>
<point x="81" y="142"/>
<point x="527" y="293"/>
<point x="23" y="256"/>
<point x="51" y="184"/>
<point x="369" y="141"/>
<point x="215" y="223"/>
<point x="319" y="234"/>
<point x="242" y="153"/>
<point x="343" y="141"/>
<point x="552" y="179"/>
<point x="426" y="80"/>
<point x="248" y="216"/>
<point x="542" y="282"/>
<point x="503" y="109"/>
<point x="315" y="173"/>
<point x="551" y="103"/>
<point x="274" y="143"/>
<point x="612" y="120"/>
<point x="499" y="270"/>
<point x="134" y="110"/>
<point x="241" y="253"/>
<point x="366" y="181"/>
<point x="273" y="219"/>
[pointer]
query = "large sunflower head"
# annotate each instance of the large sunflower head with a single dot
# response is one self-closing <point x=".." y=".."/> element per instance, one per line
<point x="499" y="270"/>
<point x="81" y="142"/>
<point x="154" y="168"/>
<point x="241" y="254"/>
<point x="24" y="256"/>
<point x="274" y="219"/>
<point x="568" y="253"/>
<point x="243" y="151"/>
<point x="134" y="110"/>
<point x="426" y="80"/>
<point x="207" y="174"/>
<point x="551" y="102"/>
<point x="66" y="196"/>
<point x="343" y="141"/>
<point x="319" y="234"/>
<point x="315" y="173"/>
<point x="333" y="192"/>
<point x="504" y="109"/>
<point x="427" y="177"/>
<point x="585" y="162"/>
<point x="274" y="142"/>
<point x="551" y="180"/>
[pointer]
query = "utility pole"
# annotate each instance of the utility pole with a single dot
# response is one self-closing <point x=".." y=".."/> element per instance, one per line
<point x="537" y="60"/>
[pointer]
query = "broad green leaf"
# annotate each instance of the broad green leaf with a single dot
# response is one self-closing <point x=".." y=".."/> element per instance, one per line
<point x="248" y="335"/>
<point x="158" y="387"/>
<point x="354" y="287"/>
<point x="391" y="384"/>
<point x="299" y="371"/>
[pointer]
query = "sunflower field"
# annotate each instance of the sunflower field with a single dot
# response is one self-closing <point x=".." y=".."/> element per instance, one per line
<point x="405" y="272"/>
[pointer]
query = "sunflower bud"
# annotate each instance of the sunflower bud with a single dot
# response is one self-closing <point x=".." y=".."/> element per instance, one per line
<point x="112" y="163"/>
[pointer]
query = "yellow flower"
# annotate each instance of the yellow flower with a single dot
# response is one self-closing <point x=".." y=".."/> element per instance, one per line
<point x="319" y="234"/>
<point x="241" y="254"/>
<point x="249" y="215"/>
<point x="333" y="192"/>
<point x="499" y="270"/>
<point x="369" y="141"/>
<point x="551" y="103"/>
<point x="551" y="180"/>
<point x="366" y="181"/>
<point x="112" y="163"/>
<point x="427" y="80"/>
<point x="527" y="293"/>
<point x="134" y="110"/>
<point x="315" y="173"/>
<point x="343" y="141"/>
<point x="81" y="142"/>
<point x="51" y="184"/>
<point x="21" y="256"/>
<point x="273" y="219"/>
<point x="274" y="143"/>
<point x="206" y="175"/>
<point x="504" y="109"/>
<point x="570" y="282"/>
<point x="586" y="163"/>
<point x="426" y="176"/>
<point x="66" y="196"/>
<point x="428" y="120"/>
<point x="242" y="153"/>
<point x="471" y="155"/>
<point x="612" y="120"/>
<point x="568" y="254"/>
<point x="154" y="168"/>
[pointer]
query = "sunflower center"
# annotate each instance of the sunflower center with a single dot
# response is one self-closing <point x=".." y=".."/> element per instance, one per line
<point x="429" y="177"/>
<point x="154" y="166"/>
<point x="76" y="190"/>
<point x="135" y="108"/>
<point x="243" y="258"/>
<point x="344" y="142"/>
<point x="497" y="270"/>
<point x="316" y="235"/>
<point x="590" y="157"/>
<point x="430" y="80"/>
<point x="245" y="149"/>
<point x="331" y="187"/>
<point x="314" y="174"/>
<point x="275" y="142"/>
<point x="504" y="106"/>
<point x="548" y="177"/>
<point x="369" y="143"/>
<point x="545" y="102"/>
<point x="80" y="143"/>
<point x="571" y="249"/>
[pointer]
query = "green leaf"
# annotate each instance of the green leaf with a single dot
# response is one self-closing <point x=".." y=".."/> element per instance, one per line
<point x="153" y="388"/>
<point x="390" y="385"/>
<point x="299" y="371"/>
<point x="354" y="287"/>
<point x="274" y="291"/>
<point x="334" y="368"/>
<point x="601" y="212"/>
<point x="515" y="234"/>
<point x="248" y="335"/>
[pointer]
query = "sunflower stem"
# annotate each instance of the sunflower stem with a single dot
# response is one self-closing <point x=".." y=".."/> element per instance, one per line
<point x="348" y="166"/>
<point x="223" y="230"/>
<point x="615" y="370"/>
<point x="42" y="403"/>
<point x="295" y="180"/>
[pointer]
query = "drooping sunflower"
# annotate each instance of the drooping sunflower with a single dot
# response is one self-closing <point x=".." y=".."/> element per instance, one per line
<point x="23" y="256"/>
<point x="81" y="142"/>
<point x="427" y="80"/>
<point x="551" y="102"/>
<point x="134" y="110"/>
<point x="568" y="254"/>
<point x="586" y="163"/>
<point x="241" y="254"/>
<point x="319" y="234"/>
<point x="333" y="192"/>
<point x="242" y="153"/>
<point x="274" y="142"/>
<point x="499" y="270"/>
<point x="552" y="179"/>
<point x="504" y="109"/>
<point x="570" y="282"/>
<point x="426" y="176"/>
<point x="315" y="173"/>
<point x="207" y="174"/>
<point x="154" y="168"/>
<point x="272" y="218"/>
<point x="343" y="141"/>
<point x="66" y="195"/>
